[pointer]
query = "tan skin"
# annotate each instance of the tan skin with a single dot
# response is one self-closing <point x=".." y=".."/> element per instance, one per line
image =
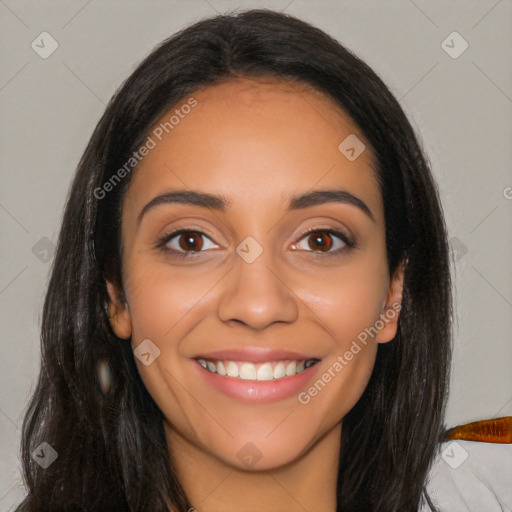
<point x="257" y="142"/>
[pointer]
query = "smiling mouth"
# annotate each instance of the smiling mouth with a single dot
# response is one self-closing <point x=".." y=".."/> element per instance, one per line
<point x="244" y="370"/>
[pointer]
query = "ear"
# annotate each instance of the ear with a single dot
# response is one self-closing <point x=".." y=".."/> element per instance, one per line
<point x="118" y="312"/>
<point x="392" y="307"/>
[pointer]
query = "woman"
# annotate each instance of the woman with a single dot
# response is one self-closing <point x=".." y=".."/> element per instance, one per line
<point x="250" y="304"/>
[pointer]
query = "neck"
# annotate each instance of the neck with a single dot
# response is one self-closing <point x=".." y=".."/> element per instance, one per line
<point x="308" y="483"/>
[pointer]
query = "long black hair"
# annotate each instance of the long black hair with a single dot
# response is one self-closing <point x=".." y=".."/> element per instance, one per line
<point x="112" y="451"/>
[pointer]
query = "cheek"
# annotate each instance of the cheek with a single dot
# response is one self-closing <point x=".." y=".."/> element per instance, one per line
<point x="346" y="371"/>
<point x="165" y="306"/>
<point x="349" y="305"/>
<point x="162" y="301"/>
<point x="348" y="301"/>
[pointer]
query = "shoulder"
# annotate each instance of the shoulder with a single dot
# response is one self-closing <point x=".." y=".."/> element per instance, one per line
<point x="471" y="475"/>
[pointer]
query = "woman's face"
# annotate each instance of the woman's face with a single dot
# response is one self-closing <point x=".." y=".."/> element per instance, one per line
<point x="244" y="290"/>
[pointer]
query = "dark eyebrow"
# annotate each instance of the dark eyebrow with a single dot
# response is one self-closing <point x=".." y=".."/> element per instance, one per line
<point x="193" y="197"/>
<point x="328" y="196"/>
<point x="221" y="203"/>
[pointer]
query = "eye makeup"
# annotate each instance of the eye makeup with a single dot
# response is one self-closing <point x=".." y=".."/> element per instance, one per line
<point x="348" y="242"/>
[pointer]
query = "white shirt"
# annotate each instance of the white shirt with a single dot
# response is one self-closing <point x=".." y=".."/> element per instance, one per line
<point x="469" y="476"/>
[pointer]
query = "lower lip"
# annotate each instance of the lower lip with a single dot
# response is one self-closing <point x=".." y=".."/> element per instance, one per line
<point x="261" y="391"/>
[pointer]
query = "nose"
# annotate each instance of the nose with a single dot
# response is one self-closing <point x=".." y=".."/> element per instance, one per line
<point x="256" y="294"/>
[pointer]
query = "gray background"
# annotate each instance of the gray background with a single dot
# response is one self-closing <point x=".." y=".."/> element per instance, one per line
<point x="461" y="107"/>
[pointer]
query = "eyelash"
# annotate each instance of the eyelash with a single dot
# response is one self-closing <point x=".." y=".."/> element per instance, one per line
<point x="350" y="243"/>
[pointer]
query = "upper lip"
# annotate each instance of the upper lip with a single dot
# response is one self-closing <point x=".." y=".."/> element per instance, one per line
<point x="254" y="355"/>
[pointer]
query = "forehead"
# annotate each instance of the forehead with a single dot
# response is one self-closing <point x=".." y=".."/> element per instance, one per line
<point x="264" y="137"/>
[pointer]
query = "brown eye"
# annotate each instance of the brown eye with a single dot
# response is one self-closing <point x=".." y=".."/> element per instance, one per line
<point x="186" y="242"/>
<point x="190" y="240"/>
<point x="327" y="241"/>
<point x="320" y="240"/>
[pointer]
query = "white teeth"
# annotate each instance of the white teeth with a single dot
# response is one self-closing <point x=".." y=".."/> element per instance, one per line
<point x="248" y="371"/>
<point x="264" y="371"/>
<point x="232" y="369"/>
<point x="279" y="371"/>
<point x="291" y="369"/>
<point x="221" y="369"/>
